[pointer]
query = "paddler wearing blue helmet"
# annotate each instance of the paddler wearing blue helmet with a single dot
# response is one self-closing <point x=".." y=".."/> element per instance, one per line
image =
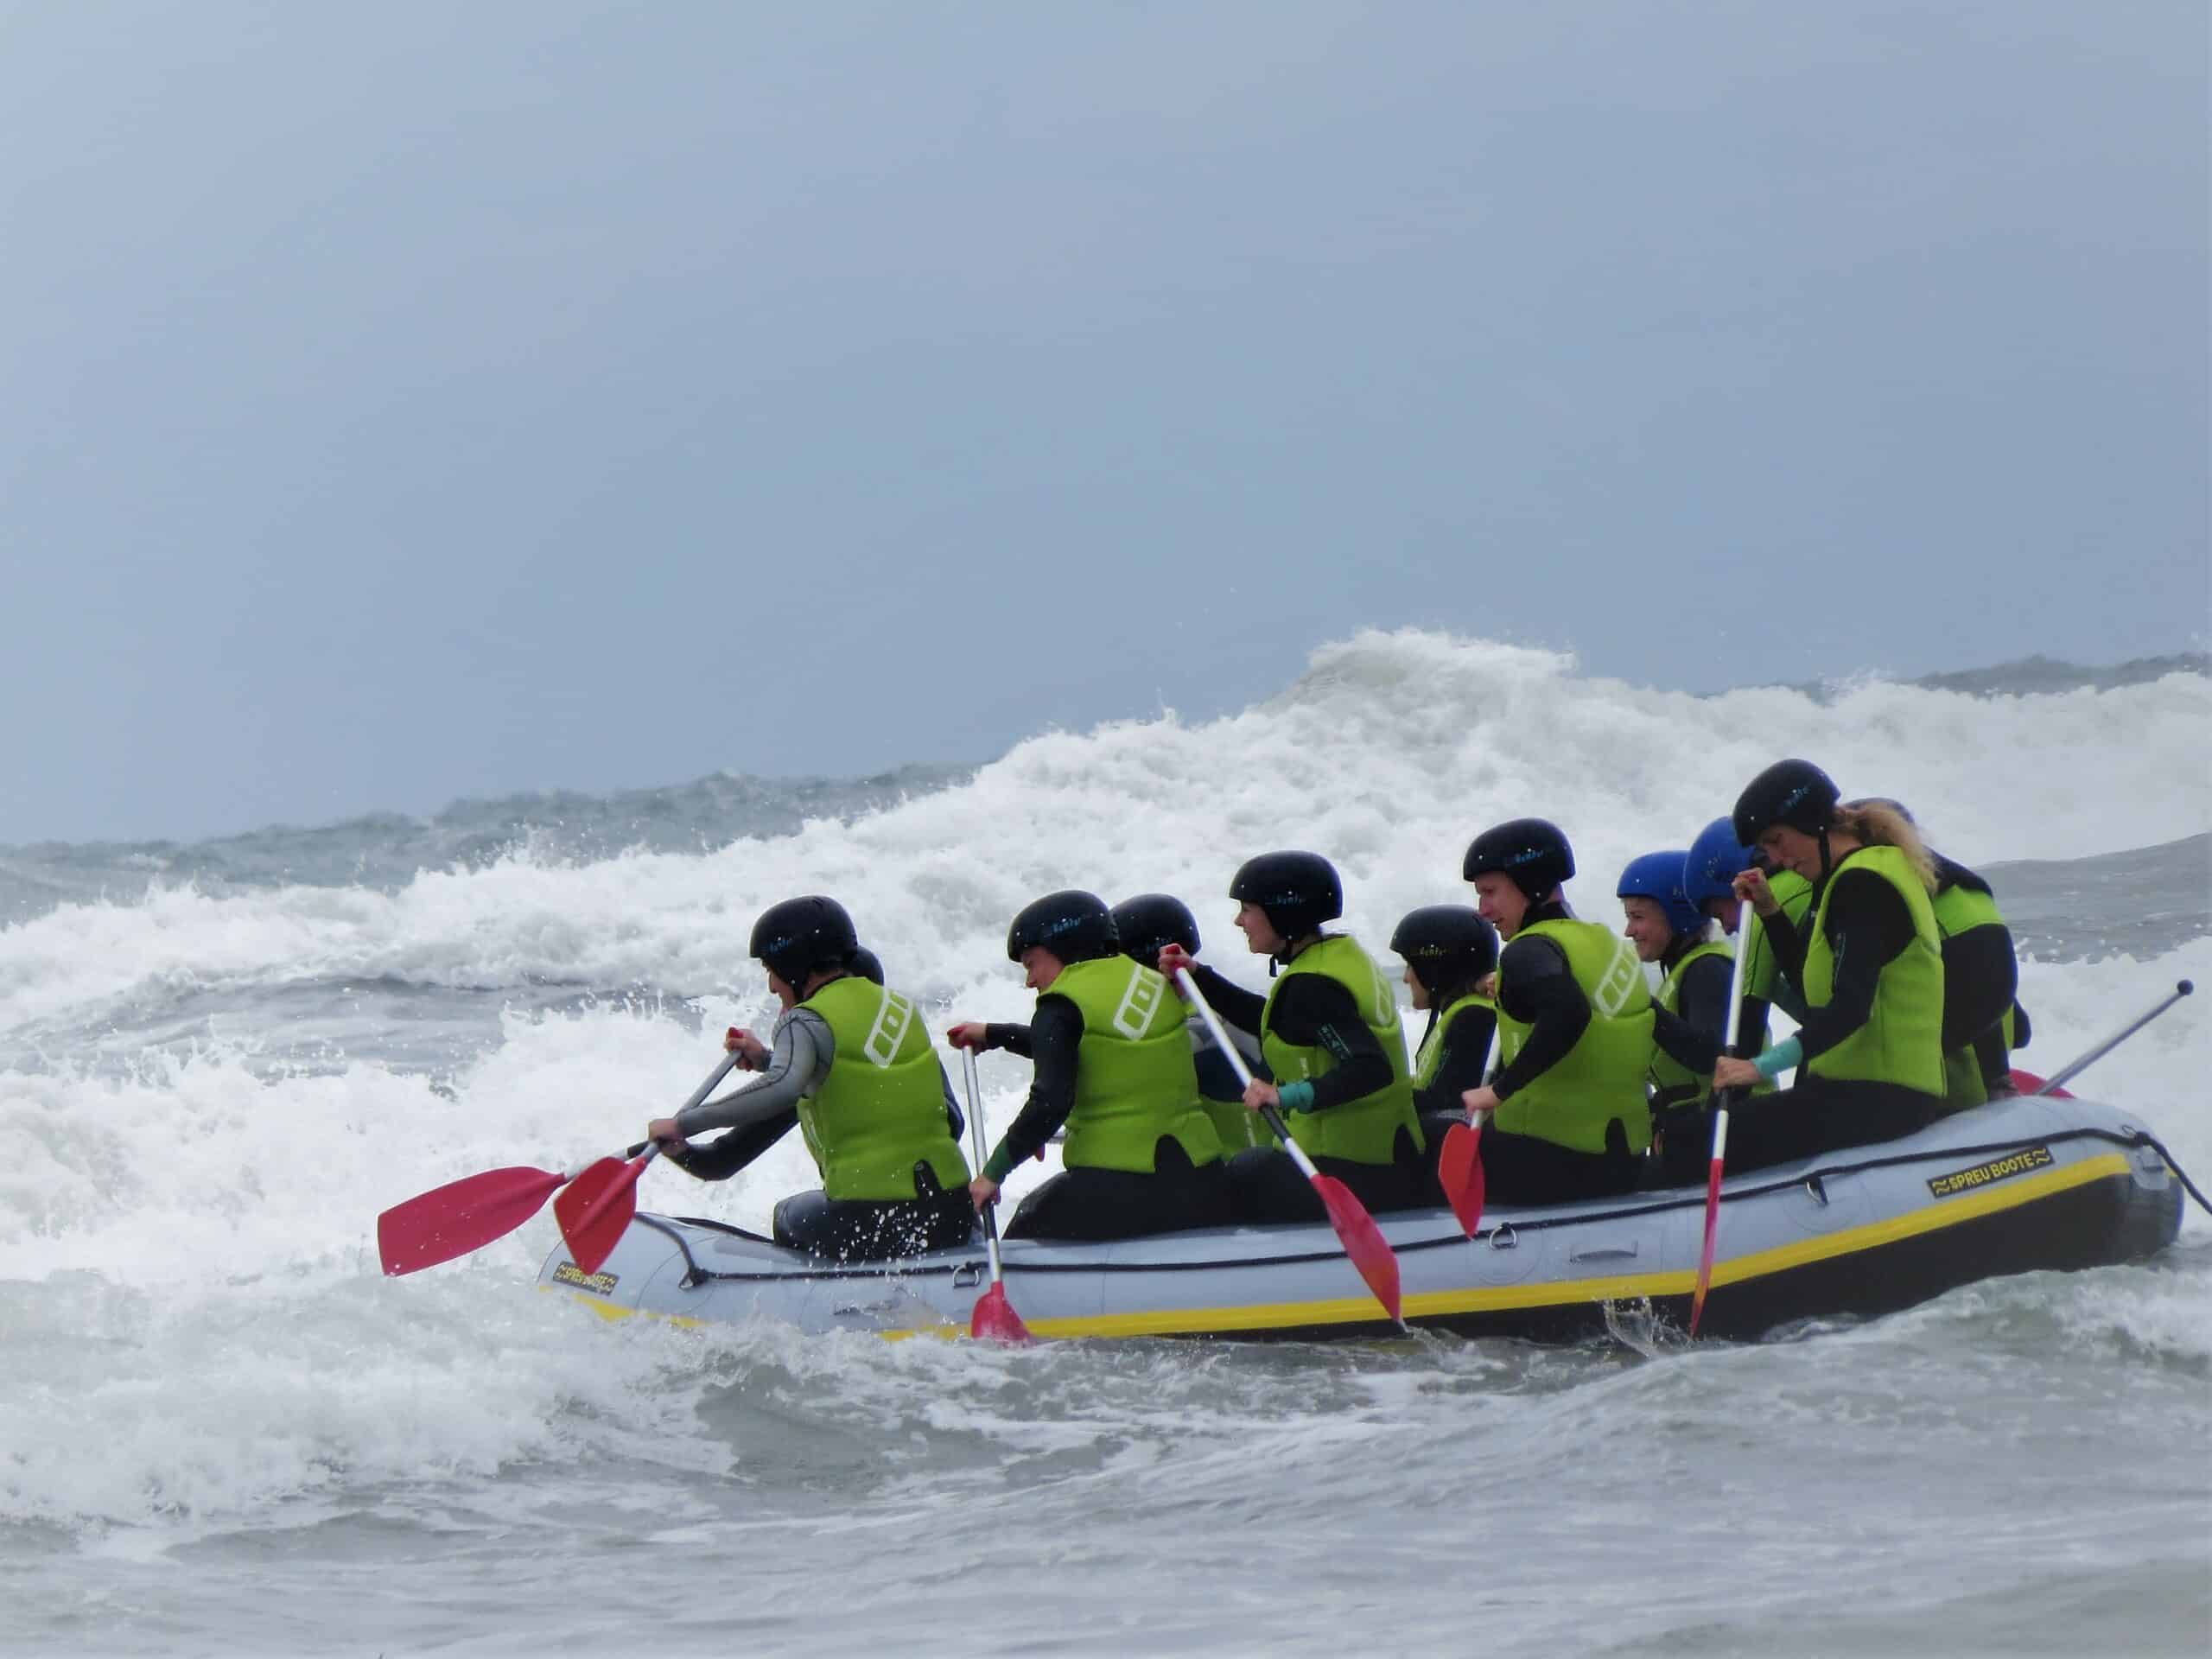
<point x="1690" y="1016"/>
<point x="851" y="1065"/>
<point x="1870" y="965"/>
<point x="1715" y="859"/>
<point x="1328" y="1027"/>
<point x="1682" y="1135"/>
<point x="1574" y="1021"/>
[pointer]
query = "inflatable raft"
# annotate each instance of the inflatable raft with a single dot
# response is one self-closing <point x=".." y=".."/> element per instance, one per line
<point x="2013" y="1187"/>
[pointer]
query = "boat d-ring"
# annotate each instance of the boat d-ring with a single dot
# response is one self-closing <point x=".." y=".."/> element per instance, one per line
<point x="1818" y="1188"/>
<point x="1502" y="1237"/>
<point x="967" y="1275"/>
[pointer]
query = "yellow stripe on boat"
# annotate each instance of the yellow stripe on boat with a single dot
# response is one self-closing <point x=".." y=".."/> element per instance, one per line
<point x="1434" y="1304"/>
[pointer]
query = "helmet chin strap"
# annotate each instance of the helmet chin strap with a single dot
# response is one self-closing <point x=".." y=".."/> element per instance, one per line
<point x="1828" y="862"/>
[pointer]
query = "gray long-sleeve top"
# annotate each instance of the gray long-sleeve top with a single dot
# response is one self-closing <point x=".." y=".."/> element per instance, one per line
<point x="802" y="1048"/>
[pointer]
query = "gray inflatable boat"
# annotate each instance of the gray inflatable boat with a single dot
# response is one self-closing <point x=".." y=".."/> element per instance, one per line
<point x="2014" y="1186"/>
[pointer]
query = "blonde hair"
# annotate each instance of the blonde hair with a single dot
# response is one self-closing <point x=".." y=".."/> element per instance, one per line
<point x="1880" y="824"/>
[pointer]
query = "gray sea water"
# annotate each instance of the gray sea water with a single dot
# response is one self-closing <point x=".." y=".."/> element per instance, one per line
<point x="223" y="1432"/>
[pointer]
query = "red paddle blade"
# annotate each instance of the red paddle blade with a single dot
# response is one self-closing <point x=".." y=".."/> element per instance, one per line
<point x="459" y="1217"/>
<point x="1460" y="1172"/>
<point x="2029" y="1084"/>
<point x="1705" y="1256"/>
<point x="994" y="1320"/>
<point x="594" y="1210"/>
<point x="1362" y="1240"/>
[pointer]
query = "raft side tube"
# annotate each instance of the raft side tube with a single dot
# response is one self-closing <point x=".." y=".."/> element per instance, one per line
<point x="2013" y="1187"/>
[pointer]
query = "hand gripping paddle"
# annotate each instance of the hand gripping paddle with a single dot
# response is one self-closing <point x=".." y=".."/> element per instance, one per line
<point x="1719" y="1159"/>
<point x="594" y="1210"/>
<point x="1458" y="1161"/>
<point x="993" y="1319"/>
<point x="1355" y="1230"/>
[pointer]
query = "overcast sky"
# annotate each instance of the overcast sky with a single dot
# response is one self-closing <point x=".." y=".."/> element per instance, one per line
<point x="410" y="401"/>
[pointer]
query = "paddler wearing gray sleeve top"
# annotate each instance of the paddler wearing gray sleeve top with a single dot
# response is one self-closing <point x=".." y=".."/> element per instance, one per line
<point x="893" y="1181"/>
<point x="757" y="1115"/>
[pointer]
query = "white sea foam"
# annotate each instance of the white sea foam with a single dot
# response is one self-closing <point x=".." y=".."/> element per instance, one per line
<point x="1387" y="755"/>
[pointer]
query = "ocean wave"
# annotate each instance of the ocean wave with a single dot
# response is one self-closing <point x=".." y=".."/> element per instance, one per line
<point x="1387" y="755"/>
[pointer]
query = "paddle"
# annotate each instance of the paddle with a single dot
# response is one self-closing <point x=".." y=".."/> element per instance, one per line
<point x="993" y="1319"/>
<point x="1719" y="1134"/>
<point x="1355" y="1230"/>
<point x="1458" y="1161"/>
<point x="594" y="1210"/>
<point x="2067" y="1073"/>
<point x="461" y="1216"/>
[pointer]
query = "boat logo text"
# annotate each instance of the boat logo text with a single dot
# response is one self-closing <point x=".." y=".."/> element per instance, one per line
<point x="1999" y="1169"/>
<point x="598" y="1283"/>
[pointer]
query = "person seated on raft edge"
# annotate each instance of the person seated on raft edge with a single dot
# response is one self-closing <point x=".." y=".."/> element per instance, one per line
<point x="1871" y="966"/>
<point x="1682" y="1141"/>
<point x="1114" y="1065"/>
<point x="868" y="966"/>
<point x="893" y="1181"/>
<point x="1148" y="925"/>
<point x="1715" y="859"/>
<point x="725" y="1154"/>
<point x="1448" y="950"/>
<point x="1329" y="1028"/>
<point x="1574" y="1031"/>
<point x="1983" y="1020"/>
<point x="1690" y="1011"/>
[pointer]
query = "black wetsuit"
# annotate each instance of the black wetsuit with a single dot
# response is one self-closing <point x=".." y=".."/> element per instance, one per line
<point x="1085" y="1202"/>
<point x="1981" y="983"/>
<point x="1691" y="1036"/>
<point x="1313" y="1011"/>
<point x="1539" y="989"/>
<point x="1868" y="927"/>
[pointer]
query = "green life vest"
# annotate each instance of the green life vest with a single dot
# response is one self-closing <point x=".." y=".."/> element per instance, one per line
<point x="1134" y="1078"/>
<point x="1762" y="973"/>
<point x="1902" y="1041"/>
<point x="1672" y="1083"/>
<point x="1958" y="908"/>
<point x="1235" y="1125"/>
<point x="1599" y="1081"/>
<point x="1432" y="1045"/>
<point x="1364" y="1130"/>
<point x="878" y="1109"/>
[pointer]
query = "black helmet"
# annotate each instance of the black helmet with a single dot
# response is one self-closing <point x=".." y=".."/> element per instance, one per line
<point x="800" y="935"/>
<point x="1794" y="792"/>
<point x="1446" y="946"/>
<point x="1531" y="851"/>
<point x="1297" y="892"/>
<point x="865" y="963"/>
<point x="1150" y="923"/>
<point x="1072" y="924"/>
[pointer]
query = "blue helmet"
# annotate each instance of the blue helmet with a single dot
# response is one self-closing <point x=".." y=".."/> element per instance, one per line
<point x="1715" y="859"/>
<point x="1658" y="877"/>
